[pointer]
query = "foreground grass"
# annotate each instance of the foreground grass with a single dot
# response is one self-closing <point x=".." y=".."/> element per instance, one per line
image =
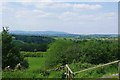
<point x="103" y="72"/>
<point x="35" y="65"/>
<point x="37" y="70"/>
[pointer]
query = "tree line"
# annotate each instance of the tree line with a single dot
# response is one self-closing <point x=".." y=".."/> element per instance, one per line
<point x="86" y="51"/>
<point x="32" y="43"/>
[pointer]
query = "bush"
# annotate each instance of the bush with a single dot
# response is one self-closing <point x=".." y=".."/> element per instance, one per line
<point x="62" y="51"/>
<point x="97" y="52"/>
<point x="25" y="63"/>
<point x="90" y="51"/>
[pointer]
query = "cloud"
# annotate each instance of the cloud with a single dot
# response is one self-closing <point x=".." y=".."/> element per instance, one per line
<point x="59" y="16"/>
<point x="31" y="14"/>
<point x="110" y="14"/>
<point x="83" y="18"/>
<point x="60" y="0"/>
<point x="0" y="8"/>
<point x="69" y="5"/>
<point x="36" y="0"/>
<point x="105" y="16"/>
<point x="51" y="4"/>
<point x="36" y="3"/>
<point x="48" y="8"/>
<point x="87" y="6"/>
<point x="67" y="16"/>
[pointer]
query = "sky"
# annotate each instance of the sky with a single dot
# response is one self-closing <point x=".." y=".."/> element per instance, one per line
<point x="71" y="17"/>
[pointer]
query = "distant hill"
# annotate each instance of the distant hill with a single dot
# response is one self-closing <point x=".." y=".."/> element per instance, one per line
<point x="61" y="34"/>
<point x="43" y="33"/>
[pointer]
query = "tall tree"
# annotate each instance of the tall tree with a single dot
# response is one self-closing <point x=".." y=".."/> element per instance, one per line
<point x="10" y="53"/>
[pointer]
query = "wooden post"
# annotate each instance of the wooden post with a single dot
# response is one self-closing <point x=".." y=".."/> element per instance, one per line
<point x="118" y="70"/>
<point x="69" y="73"/>
<point x="66" y="73"/>
<point x="71" y="76"/>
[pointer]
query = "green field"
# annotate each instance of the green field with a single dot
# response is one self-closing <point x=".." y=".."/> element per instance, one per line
<point x="37" y="70"/>
<point x="35" y="65"/>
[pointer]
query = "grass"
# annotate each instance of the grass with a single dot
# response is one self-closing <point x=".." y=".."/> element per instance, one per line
<point x="37" y="70"/>
<point x="95" y="73"/>
<point x="35" y="65"/>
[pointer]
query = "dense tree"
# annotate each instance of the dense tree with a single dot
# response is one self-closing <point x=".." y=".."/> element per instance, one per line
<point x="32" y="47"/>
<point x="62" y="52"/>
<point x="32" y="43"/>
<point x="33" y="39"/>
<point x="98" y="51"/>
<point x="10" y="53"/>
<point x="87" y="51"/>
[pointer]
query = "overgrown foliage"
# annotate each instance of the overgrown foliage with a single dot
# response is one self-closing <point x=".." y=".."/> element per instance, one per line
<point x="99" y="51"/>
<point x="87" y="51"/>
<point x="62" y="51"/>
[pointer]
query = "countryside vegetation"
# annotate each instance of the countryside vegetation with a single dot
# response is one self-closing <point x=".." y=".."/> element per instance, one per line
<point x="45" y="56"/>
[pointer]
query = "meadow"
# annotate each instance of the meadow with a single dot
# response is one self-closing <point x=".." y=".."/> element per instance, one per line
<point x="37" y="69"/>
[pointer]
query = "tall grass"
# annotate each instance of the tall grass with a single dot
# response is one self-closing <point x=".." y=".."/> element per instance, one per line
<point x="95" y="73"/>
<point x="35" y="64"/>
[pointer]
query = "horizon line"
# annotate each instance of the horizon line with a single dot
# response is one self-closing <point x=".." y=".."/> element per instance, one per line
<point x="61" y="31"/>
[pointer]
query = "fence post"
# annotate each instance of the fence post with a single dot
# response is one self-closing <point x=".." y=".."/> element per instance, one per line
<point x="69" y="73"/>
<point x="118" y="70"/>
<point x="66" y="73"/>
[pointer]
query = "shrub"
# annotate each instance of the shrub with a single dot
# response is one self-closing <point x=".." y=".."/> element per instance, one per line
<point x="62" y="51"/>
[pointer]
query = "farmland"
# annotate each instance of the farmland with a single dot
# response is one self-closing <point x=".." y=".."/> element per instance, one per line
<point x="46" y="57"/>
